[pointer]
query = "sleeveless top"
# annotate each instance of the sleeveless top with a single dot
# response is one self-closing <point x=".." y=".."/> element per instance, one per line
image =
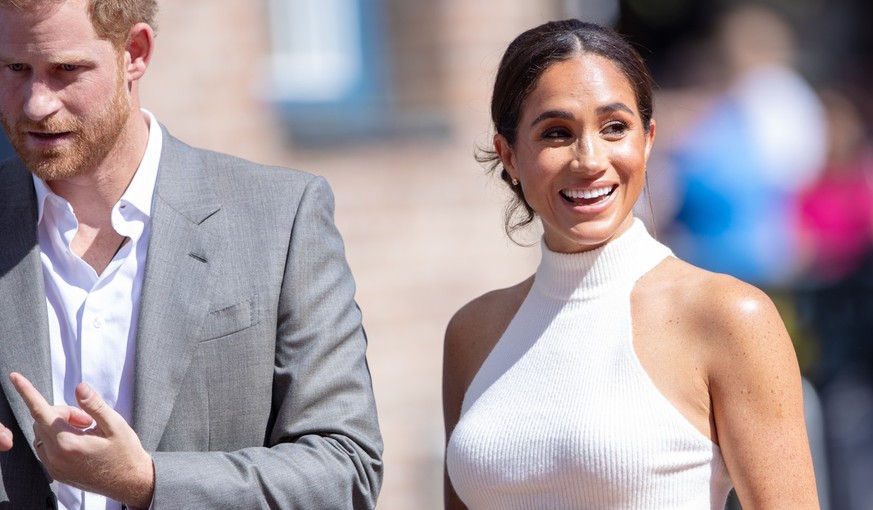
<point x="562" y="415"/>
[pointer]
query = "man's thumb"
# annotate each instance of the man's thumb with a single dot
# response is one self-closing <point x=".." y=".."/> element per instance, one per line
<point x="96" y="407"/>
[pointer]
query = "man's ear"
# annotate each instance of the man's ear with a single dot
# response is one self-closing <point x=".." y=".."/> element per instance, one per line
<point x="138" y="50"/>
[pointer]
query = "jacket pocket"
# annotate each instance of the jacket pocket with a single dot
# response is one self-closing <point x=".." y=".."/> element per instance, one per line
<point x="229" y="320"/>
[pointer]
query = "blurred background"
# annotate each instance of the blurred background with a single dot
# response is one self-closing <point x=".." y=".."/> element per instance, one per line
<point x="762" y="169"/>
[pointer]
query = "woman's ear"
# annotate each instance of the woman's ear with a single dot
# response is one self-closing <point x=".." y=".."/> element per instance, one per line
<point x="506" y="155"/>
<point x="650" y="138"/>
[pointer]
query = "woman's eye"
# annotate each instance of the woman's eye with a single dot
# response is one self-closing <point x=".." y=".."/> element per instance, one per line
<point x="615" y="129"/>
<point x="556" y="134"/>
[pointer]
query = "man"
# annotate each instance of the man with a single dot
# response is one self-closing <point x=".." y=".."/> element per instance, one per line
<point x="190" y="315"/>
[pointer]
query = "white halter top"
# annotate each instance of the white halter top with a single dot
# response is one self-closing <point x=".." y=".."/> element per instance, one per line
<point x="562" y="414"/>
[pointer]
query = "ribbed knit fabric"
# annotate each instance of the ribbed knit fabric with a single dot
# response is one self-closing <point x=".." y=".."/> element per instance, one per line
<point x="562" y="414"/>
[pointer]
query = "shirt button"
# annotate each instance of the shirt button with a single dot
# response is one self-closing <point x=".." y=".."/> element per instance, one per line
<point x="98" y="322"/>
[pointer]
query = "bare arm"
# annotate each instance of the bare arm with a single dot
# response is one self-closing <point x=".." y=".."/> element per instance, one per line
<point x="454" y="386"/>
<point x="757" y="401"/>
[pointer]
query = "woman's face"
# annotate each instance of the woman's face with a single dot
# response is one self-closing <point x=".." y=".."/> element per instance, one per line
<point x="580" y="152"/>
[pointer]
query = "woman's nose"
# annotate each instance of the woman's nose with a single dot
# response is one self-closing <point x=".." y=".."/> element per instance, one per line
<point x="589" y="156"/>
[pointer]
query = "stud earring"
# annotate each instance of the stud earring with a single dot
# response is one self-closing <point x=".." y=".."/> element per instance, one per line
<point x="514" y="181"/>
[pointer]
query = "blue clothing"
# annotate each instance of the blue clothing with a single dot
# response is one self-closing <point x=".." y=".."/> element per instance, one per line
<point x="5" y="149"/>
<point x="733" y="219"/>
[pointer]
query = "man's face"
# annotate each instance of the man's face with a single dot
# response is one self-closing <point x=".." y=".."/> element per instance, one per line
<point x="63" y="96"/>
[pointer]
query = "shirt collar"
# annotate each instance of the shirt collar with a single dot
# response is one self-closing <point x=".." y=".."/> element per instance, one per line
<point x="141" y="190"/>
<point x="42" y="192"/>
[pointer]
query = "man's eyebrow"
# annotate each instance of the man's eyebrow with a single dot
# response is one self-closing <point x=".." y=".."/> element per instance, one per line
<point x="59" y="59"/>
<point x="68" y="58"/>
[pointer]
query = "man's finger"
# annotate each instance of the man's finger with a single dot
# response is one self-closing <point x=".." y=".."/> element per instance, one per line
<point x="5" y="439"/>
<point x="104" y="416"/>
<point x="75" y="416"/>
<point x="40" y="409"/>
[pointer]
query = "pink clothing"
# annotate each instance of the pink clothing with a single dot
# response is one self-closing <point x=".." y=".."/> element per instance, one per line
<point x="836" y="216"/>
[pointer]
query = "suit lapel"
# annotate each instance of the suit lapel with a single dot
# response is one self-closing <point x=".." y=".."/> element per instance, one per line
<point x="24" y="336"/>
<point x="177" y="274"/>
<point x="172" y="306"/>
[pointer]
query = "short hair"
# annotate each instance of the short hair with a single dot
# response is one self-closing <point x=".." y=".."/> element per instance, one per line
<point x="112" y="19"/>
<point x="526" y="59"/>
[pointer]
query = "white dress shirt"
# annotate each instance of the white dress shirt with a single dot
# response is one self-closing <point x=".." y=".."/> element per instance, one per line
<point x="93" y="318"/>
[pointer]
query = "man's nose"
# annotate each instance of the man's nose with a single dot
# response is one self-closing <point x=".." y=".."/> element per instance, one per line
<point x="41" y="101"/>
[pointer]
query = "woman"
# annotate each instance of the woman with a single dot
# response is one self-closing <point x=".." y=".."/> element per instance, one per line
<point x="616" y="376"/>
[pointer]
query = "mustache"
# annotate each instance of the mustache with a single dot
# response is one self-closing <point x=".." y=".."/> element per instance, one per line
<point x="48" y="125"/>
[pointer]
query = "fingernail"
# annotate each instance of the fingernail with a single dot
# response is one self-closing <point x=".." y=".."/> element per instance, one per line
<point x="85" y="391"/>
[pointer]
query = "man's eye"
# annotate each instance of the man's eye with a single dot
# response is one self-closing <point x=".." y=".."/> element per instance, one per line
<point x="69" y="67"/>
<point x="16" y="67"/>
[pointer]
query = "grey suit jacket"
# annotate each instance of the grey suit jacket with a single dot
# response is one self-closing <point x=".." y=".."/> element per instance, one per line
<point x="251" y="385"/>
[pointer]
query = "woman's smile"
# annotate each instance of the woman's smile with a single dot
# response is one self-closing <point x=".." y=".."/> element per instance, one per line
<point x="588" y="196"/>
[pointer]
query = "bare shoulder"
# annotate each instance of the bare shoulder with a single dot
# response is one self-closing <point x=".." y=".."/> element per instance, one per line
<point x="733" y="327"/>
<point x="474" y="329"/>
<point x="470" y="336"/>
<point x="716" y="306"/>
<point x="753" y="380"/>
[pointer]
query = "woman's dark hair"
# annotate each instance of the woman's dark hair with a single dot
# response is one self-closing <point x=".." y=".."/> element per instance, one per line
<point x="525" y="60"/>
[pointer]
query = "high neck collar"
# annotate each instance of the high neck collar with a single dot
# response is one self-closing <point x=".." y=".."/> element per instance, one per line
<point x="590" y="274"/>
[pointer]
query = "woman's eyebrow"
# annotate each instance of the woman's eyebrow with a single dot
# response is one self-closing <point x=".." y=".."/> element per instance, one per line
<point x="612" y="107"/>
<point x="565" y="115"/>
<point x="552" y="114"/>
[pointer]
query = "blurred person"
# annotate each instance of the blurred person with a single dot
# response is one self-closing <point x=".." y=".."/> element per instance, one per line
<point x="836" y="210"/>
<point x="740" y="166"/>
<point x="553" y="397"/>
<point x="835" y="299"/>
<point x="178" y="326"/>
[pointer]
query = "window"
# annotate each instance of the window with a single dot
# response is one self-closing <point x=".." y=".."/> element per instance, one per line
<point x="329" y="69"/>
<point x="318" y="50"/>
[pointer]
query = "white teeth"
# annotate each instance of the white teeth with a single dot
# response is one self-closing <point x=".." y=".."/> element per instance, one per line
<point x="587" y="193"/>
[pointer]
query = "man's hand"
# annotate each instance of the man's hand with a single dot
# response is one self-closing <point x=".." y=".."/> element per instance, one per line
<point x="73" y="415"/>
<point x="91" y="448"/>
<point x="5" y="439"/>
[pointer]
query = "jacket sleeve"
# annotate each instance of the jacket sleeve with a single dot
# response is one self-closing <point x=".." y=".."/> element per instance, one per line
<point x="322" y="448"/>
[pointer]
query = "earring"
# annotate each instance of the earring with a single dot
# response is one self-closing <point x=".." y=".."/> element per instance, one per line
<point x="514" y="181"/>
